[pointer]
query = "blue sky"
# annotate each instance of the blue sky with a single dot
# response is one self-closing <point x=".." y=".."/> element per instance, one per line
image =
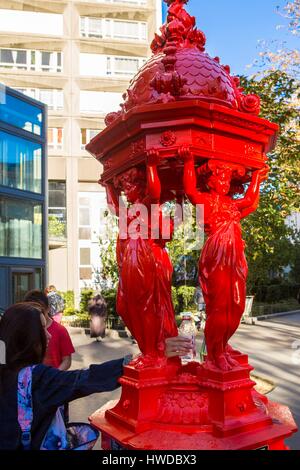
<point x="234" y="27"/>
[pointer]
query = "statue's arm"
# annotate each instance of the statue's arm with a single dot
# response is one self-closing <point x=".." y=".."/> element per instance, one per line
<point x="252" y="208"/>
<point x="153" y="180"/>
<point x="113" y="198"/>
<point x="250" y="202"/>
<point x="189" y="177"/>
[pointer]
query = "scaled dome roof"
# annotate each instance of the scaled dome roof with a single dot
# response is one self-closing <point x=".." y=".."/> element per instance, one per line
<point x="180" y="69"/>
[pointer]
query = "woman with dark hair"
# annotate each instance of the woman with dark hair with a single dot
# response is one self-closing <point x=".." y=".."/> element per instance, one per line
<point x="23" y="331"/>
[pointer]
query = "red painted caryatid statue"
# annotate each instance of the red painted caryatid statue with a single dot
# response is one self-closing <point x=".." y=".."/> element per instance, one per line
<point x="185" y="129"/>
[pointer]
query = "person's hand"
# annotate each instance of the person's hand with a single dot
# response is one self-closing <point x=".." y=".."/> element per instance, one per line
<point x="178" y="346"/>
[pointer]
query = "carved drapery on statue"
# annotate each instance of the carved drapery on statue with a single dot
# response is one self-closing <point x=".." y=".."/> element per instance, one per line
<point x="144" y="292"/>
<point x="222" y="265"/>
<point x="186" y="128"/>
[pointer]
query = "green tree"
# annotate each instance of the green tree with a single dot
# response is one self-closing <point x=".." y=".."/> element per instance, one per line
<point x="108" y="275"/>
<point x="184" y="248"/>
<point x="85" y="296"/>
<point x="56" y="228"/>
<point x="279" y="56"/>
<point x="270" y="241"/>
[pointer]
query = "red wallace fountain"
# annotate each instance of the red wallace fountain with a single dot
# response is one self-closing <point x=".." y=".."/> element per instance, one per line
<point x="186" y="129"/>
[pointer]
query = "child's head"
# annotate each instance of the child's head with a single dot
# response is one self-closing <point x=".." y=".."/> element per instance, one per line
<point x="23" y="331"/>
<point x="50" y="288"/>
<point x="38" y="297"/>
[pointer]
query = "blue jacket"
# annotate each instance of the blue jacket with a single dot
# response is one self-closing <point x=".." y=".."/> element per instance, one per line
<point x="51" y="388"/>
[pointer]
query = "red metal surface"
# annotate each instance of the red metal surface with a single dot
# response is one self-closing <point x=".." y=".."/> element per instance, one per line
<point x="222" y="265"/>
<point x="193" y="407"/>
<point x="144" y="294"/>
<point x="186" y="128"/>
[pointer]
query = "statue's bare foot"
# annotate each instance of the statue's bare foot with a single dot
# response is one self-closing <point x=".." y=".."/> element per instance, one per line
<point x="222" y="363"/>
<point x="229" y="349"/>
<point x="135" y="360"/>
<point x="148" y="361"/>
<point x="232" y="362"/>
<point x="219" y="363"/>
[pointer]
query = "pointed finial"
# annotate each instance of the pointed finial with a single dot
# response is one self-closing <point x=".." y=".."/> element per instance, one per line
<point x="169" y="2"/>
<point x="179" y="29"/>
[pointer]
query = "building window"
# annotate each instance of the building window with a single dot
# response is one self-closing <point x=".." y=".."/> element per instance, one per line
<point x="55" y="138"/>
<point x="13" y="58"/>
<point x="128" y="2"/>
<point x="54" y="99"/>
<point x="99" y="65"/>
<point x="111" y="28"/>
<point x="91" y="27"/>
<point x="84" y="216"/>
<point x="87" y="135"/>
<point x="128" y="30"/>
<point x="20" y="114"/>
<point x="44" y="61"/>
<point x="85" y="256"/>
<point x="20" y="228"/>
<point x="24" y="280"/>
<point x="84" y="233"/>
<point x="57" y="210"/>
<point x="125" y="66"/>
<point x="20" y="163"/>
<point x="85" y="274"/>
<point x="85" y="268"/>
<point x="99" y="102"/>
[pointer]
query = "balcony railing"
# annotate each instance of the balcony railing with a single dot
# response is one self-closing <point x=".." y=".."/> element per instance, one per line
<point x="126" y="2"/>
<point x="24" y="59"/>
<point x="53" y="98"/>
<point x="107" y="28"/>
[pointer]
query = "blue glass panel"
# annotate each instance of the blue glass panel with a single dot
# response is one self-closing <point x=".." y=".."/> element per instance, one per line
<point x="21" y="114"/>
<point x="20" y="163"/>
<point x="20" y="228"/>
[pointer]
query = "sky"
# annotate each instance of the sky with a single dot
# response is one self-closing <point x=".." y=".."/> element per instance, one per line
<point x="234" y="27"/>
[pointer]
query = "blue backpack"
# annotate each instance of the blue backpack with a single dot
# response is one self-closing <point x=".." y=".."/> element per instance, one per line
<point x="74" y="436"/>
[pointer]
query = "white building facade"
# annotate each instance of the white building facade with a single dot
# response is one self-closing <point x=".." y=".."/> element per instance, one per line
<point x="77" y="56"/>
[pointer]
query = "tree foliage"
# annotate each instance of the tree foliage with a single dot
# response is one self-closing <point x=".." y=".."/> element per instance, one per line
<point x="270" y="241"/>
<point x="107" y="276"/>
<point x="278" y="56"/>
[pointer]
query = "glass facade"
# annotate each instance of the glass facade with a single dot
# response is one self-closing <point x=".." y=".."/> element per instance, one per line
<point x="20" y="163"/>
<point x="20" y="228"/>
<point x="21" y="114"/>
<point x="57" y="211"/>
<point x="22" y="195"/>
<point x="25" y="280"/>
